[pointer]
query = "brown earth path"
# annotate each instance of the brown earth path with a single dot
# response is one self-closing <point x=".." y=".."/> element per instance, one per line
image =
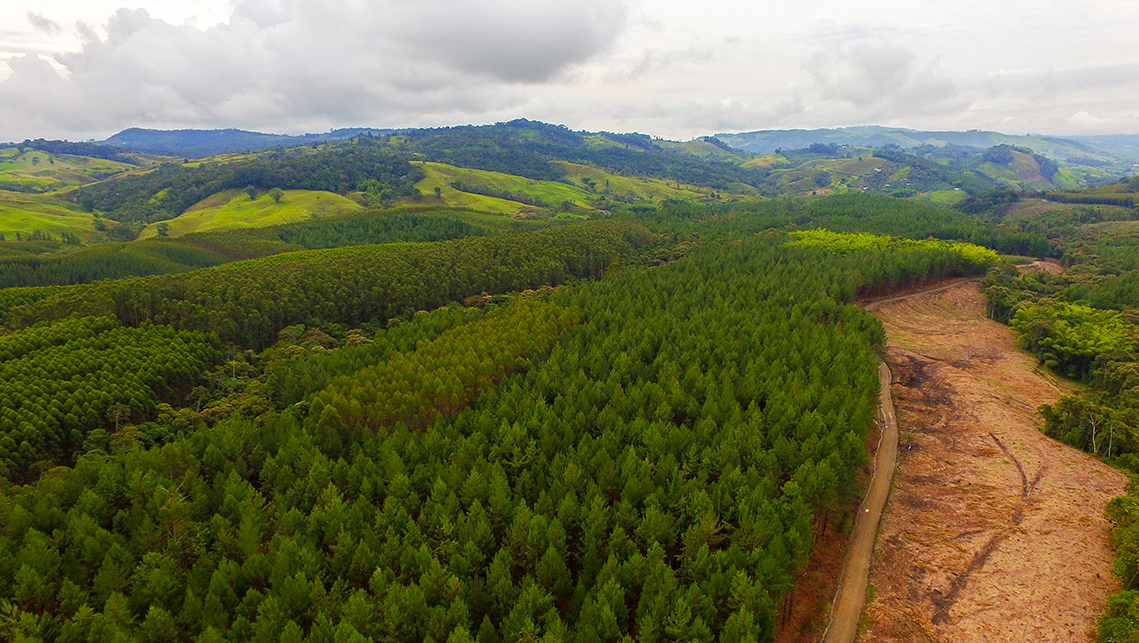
<point x="993" y="532"/>
<point x="851" y="592"/>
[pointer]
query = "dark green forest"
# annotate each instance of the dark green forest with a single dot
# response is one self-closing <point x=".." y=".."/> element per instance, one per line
<point x="167" y="191"/>
<point x="582" y="432"/>
<point x="426" y="423"/>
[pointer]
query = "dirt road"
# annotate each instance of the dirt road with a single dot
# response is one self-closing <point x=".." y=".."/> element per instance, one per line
<point x="851" y="594"/>
<point x="993" y="531"/>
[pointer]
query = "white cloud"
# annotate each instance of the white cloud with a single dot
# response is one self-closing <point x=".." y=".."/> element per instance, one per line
<point x="666" y="67"/>
<point x="292" y="64"/>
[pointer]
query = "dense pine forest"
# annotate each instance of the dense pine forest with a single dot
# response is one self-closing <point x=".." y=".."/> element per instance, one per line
<point x="578" y="432"/>
<point x="427" y="421"/>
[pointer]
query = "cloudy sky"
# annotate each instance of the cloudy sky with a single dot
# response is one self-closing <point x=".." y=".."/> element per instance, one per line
<point x="88" y="68"/>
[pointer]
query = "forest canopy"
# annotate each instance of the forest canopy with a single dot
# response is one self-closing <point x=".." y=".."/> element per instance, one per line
<point x="587" y="432"/>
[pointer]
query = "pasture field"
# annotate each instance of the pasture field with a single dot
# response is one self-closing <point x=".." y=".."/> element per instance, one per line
<point x="44" y="171"/>
<point x="627" y="186"/>
<point x="767" y="160"/>
<point x="234" y="209"/>
<point x="944" y="197"/>
<point x="1025" y="170"/>
<point x="441" y="175"/>
<point x="26" y="213"/>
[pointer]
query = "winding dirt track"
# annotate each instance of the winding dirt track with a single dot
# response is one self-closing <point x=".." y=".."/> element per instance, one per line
<point x="851" y="593"/>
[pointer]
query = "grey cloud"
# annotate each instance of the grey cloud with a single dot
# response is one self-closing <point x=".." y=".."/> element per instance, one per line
<point x="1047" y="83"/>
<point x="514" y="40"/>
<point x="292" y="64"/>
<point x="871" y="75"/>
<point x="45" y="25"/>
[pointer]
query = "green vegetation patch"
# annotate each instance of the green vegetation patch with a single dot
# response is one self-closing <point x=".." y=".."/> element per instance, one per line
<point x="850" y="242"/>
<point x="235" y="209"/>
<point x="26" y="213"/>
<point x="66" y="379"/>
<point x="441" y="377"/>
<point x="1068" y="337"/>
<point x="445" y="177"/>
<point x="344" y="285"/>
<point x="39" y="171"/>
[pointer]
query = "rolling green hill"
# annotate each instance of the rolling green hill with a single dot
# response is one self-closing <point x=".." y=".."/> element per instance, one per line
<point x="26" y="213"/>
<point x="33" y="170"/>
<point x="543" y="193"/>
<point x="234" y="209"/>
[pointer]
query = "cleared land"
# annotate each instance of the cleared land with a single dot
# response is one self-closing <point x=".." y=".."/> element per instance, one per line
<point x="26" y="213"/>
<point x="234" y="209"/>
<point x="993" y="532"/>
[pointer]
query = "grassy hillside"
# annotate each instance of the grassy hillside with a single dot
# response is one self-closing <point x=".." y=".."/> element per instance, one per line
<point x="1025" y="171"/>
<point x="234" y="209"/>
<point x="584" y="187"/>
<point x="636" y="188"/>
<point x="38" y="171"/>
<point x="26" y="213"/>
<point x="552" y="193"/>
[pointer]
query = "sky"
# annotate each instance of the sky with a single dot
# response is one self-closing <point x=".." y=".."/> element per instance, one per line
<point x="81" y="69"/>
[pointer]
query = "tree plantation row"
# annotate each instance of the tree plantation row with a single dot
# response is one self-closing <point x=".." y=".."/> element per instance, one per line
<point x="649" y="454"/>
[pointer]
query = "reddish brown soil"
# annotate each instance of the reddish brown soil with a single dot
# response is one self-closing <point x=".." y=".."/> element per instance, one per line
<point x="993" y="532"/>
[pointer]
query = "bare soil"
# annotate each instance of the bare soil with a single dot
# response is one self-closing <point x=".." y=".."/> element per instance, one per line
<point x="1043" y="265"/>
<point x="993" y="532"/>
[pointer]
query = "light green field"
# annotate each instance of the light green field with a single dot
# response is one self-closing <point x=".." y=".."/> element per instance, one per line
<point x="26" y="213"/>
<point x="767" y="160"/>
<point x="1024" y="171"/>
<point x="853" y="166"/>
<point x="234" y="209"/>
<point x="553" y="193"/>
<point x="704" y="149"/>
<point x="583" y="186"/>
<point x="943" y="197"/>
<point x="626" y="186"/>
<point x="46" y="171"/>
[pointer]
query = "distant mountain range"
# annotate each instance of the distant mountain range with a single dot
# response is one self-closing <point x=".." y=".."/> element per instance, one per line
<point x="1082" y="150"/>
<point x="197" y="143"/>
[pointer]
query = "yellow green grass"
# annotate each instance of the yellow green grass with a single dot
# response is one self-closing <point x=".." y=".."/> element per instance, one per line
<point x="850" y="242"/>
<point x="1025" y="170"/>
<point x="638" y="188"/>
<point x="46" y="171"/>
<point x="767" y="160"/>
<point x="234" y="209"/>
<point x="26" y="213"/>
<point x="440" y="175"/>
<point x="943" y="197"/>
